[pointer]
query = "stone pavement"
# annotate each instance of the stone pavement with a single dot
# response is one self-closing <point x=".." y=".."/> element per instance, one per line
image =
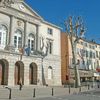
<point x="30" y="92"/>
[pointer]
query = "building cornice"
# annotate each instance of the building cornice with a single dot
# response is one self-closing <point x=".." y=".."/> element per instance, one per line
<point x="10" y="11"/>
<point x="21" y="15"/>
<point x="32" y="10"/>
<point x="48" y="23"/>
<point x="85" y="40"/>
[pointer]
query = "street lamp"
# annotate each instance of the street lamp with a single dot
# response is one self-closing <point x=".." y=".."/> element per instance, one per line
<point x="43" y="55"/>
<point x="75" y="30"/>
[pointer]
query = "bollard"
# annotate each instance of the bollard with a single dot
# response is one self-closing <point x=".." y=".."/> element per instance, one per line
<point x="92" y="86"/>
<point x="88" y="86"/>
<point x="98" y="85"/>
<point x="52" y="91"/>
<point x="80" y="89"/>
<point x="20" y="86"/>
<point x="34" y="93"/>
<point x="9" y="91"/>
<point x="69" y="89"/>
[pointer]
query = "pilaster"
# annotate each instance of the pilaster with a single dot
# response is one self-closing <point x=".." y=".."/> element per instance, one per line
<point x="11" y="32"/>
<point x="11" y="73"/>
<point x="26" y="74"/>
<point x="37" y="37"/>
<point x="10" y="45"/>
<point x="25" y="34"/>
<point x="41" y="74"/>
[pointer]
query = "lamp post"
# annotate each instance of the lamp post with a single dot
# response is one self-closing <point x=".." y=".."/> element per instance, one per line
<point x="42" y="54"/>
<point x="75" y="30"/>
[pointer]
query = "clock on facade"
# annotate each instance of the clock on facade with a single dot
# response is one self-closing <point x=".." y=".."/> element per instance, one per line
<point x="21" y="7"/>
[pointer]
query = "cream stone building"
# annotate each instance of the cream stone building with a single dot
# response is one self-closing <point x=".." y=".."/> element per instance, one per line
<point x="29" y="47"/>
<point x="88" y="60"/>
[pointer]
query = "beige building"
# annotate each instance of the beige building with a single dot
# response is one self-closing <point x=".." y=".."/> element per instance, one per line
<point x="87" y="57"/>
<point x="27" y="47"/>
<point x="88" y="60"/>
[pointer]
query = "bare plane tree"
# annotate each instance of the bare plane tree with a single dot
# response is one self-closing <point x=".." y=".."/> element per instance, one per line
<point x="75" y="30"/>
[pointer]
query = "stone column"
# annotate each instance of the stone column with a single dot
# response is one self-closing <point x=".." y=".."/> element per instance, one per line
<point x="37" y="37"/>
<point x="11" y="73"/>
<point x="25" y="34"/>
<point x="10" y="45"/>
<point x="39" y="72"/>
<point x="26" y="73"/>
<point x="11" y="32"/>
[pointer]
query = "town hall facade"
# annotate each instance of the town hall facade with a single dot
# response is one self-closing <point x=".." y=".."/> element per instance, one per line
<point x="29" y="47"/>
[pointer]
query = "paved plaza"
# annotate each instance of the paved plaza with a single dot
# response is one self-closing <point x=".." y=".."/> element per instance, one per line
<point x="50" y="93"/>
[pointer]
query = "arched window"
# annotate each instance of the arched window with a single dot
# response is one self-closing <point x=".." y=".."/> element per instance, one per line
<point x="49" y="72"/>
<point x="31" y="41"/>
<point x="18" y="39"/>
<point x="3" y="35"/>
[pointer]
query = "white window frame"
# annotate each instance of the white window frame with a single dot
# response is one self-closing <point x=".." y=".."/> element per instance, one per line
<point x="31" y="38"/>
<point x="18" y="35"/>
<point x="3" y="32"/>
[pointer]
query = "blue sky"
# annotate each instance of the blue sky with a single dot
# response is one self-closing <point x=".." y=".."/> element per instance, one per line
<point x="56" y="11"/>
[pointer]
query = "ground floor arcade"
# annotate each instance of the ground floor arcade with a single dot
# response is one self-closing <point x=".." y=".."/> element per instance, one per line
<point x="28" y="71"/>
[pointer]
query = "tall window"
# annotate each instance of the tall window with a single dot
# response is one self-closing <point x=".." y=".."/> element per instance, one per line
<point x="50" y="31"/>
<point x="97" y="54"/>
<point x="90" y="54"/>
<point x="31" y="42"/>
<point x="18" y="39"/>
<point x="3" y="34"/>
<point x="50" y="47"/>
<point x="49" y="72"/>
<point x="87" y="53"/>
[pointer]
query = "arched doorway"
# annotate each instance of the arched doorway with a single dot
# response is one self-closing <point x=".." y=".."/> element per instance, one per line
<point x="19" y="72"/>
<point x="33" y="73"/>
<point x="50" y="73"/>
<point x="4" y="66"/>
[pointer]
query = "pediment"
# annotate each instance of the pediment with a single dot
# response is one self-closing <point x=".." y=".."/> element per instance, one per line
<point x="23" y="7"/>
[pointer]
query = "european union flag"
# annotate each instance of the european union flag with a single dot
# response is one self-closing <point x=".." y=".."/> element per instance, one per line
<point x="28" y="51"/>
